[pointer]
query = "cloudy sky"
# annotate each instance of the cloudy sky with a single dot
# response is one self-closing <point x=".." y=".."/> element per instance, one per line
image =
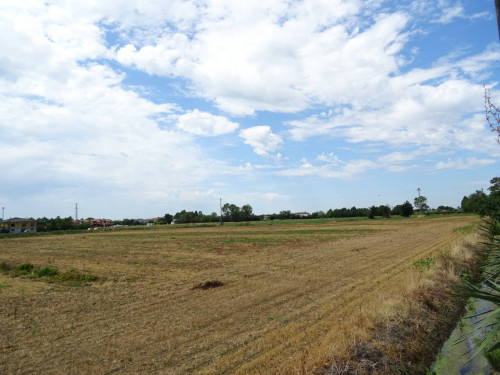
<point x="141" y="108"/>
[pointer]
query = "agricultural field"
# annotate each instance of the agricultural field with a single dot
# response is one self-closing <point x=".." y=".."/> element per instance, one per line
<point x="241" y="299"/>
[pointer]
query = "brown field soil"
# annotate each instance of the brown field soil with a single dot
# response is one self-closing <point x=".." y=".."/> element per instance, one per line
<point x="256" y="299"/>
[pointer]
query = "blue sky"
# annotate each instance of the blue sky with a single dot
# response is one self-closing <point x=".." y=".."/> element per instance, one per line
<point x="137" y="109"/>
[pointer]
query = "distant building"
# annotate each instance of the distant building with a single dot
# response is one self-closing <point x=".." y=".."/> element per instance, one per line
<point x="101" y="223"/>
<point x="17" y="225"/>
<point x="302" y="214"/>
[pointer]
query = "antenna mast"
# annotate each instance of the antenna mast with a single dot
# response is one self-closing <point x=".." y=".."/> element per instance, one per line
<point x="76" y="212"/>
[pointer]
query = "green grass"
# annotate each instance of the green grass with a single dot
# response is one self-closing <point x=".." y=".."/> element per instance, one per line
<point x="493" y="358"/>
<point x="423" y="264"/>
<point x="24" y="269"/>
<point x="75" y="278"/>
<point x="28" y="270"/>
<point x="4" y="267"/>
<point x="465" y="230"/>
<point x="45" y="272"/>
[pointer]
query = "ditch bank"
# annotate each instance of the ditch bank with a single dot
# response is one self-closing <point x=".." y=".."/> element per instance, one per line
<point x="455" y="355"/>
<point x="409" y="341"/>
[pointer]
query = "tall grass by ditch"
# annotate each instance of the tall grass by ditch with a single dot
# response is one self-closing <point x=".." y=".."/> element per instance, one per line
<point x="406" y="331"/>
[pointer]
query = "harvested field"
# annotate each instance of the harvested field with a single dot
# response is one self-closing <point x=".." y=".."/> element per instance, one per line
<point x="211" y="300"/>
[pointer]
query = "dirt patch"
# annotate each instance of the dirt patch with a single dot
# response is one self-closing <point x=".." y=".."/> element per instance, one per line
<point x="208" y="285"/>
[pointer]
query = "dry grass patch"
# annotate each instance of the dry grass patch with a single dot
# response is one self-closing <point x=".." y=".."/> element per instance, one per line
<point x="295" y="297"/>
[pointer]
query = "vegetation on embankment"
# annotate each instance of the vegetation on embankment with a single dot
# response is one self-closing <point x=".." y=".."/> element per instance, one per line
<point x="409" y="330"/>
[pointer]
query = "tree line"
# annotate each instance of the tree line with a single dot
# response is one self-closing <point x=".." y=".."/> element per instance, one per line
<point x="478" y="202"/>
<point x="484" y="204"/>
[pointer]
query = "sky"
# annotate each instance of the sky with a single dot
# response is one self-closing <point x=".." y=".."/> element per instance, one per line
<point x="135" y="109"/>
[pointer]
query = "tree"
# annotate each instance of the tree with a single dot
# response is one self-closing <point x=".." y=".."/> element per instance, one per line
<point x="44" y="224"/>
<point x="385" y="211"/>
<point x="465" y="204"/>
<point x="231" y="212"/>
<point x="493" y="202"/>
<point x="285" y="215"/>
<point x="476" y="202"/>
<point x="420" y="202"/>
<point x="372" y="213"/>
<point x="406" y="209"/>
<point x="166" y="219"/>
<point x="246" y="212"/>
<point x="397" y="210"/>
<point x="495" y="185"/>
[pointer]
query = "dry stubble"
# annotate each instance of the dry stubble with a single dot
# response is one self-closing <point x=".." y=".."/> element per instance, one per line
<point x="294" y="296"/>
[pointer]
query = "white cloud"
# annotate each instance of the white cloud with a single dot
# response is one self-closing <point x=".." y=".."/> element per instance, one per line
<point x="84" y="123"/>
<point x="335" y="168"/>
<point x="262" y="139"/>
<point x="277" y="57"/>
<point x="330" y="158"/>
<point x="71" y="127"/>
<point x="204" y="123"/>
<point x="449" y="13"/>
<point x="440" y="116"/>
<point x="468" y="163"/>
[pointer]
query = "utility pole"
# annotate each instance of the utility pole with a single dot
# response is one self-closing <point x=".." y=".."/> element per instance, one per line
<point x="419" y="202"/>
<point x="76" y="212"/>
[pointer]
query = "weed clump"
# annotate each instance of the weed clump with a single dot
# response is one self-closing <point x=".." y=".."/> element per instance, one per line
<point x="423" y="264"/>
<point x="45" y="272"/>
<point x="76" y="278"/>
<point x="72" y="277"/>
<point x="24" y="269"/>
<point x="4" y="267"/>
